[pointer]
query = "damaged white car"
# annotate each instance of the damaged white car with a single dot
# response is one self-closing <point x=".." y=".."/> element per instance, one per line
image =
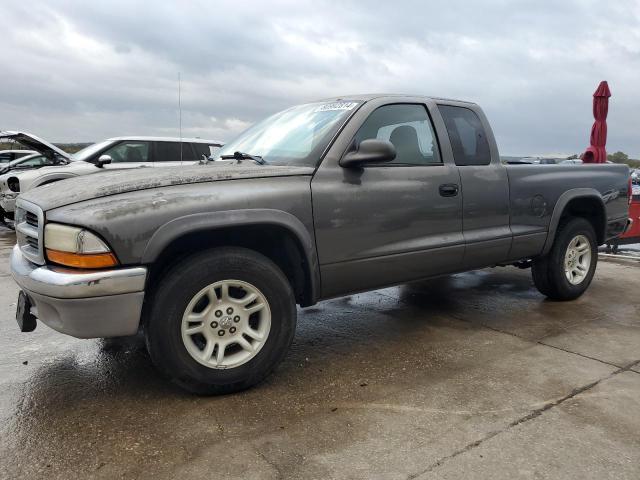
<point x="113" y="153"/>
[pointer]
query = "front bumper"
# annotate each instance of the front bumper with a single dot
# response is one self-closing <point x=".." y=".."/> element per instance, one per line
<point x="89" y="304"/>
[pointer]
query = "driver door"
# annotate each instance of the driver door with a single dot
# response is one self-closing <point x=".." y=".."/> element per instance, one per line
<point x="388" y="223"/>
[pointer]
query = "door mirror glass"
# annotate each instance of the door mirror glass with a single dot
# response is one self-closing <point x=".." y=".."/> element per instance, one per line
<point x="104" y="160"/>
<point x="371" y="150"/>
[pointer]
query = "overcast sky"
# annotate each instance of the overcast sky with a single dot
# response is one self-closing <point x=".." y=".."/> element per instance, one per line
<point x="82" y="71"/>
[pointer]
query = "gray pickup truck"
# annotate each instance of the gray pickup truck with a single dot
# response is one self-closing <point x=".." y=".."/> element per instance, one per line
<point x="320" y="200"/>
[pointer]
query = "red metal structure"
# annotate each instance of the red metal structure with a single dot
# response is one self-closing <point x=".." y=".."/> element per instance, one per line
<point x="597" y="153"/>
<point x="632" y="235"/>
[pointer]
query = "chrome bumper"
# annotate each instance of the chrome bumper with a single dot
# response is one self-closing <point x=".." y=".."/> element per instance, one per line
<point x="100" y="303"/>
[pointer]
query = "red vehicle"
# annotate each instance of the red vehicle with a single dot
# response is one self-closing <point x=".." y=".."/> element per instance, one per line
<point x="632" y="235"/>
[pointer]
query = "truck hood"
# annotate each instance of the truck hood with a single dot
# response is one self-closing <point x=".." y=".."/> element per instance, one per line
<point x="34" y="143"/>
<point x="107" y="183"/>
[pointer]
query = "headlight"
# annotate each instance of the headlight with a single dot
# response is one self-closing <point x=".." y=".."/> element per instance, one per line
<point x="76" y="247"/>
<point x="14" y="184"/>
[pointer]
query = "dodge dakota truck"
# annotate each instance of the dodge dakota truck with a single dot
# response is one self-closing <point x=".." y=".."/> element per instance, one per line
<point x="320" y="200"/>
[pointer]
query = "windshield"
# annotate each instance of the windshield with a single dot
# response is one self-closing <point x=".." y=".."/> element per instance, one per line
<point x="86" y="152"/>
<point x="296" y="136"/>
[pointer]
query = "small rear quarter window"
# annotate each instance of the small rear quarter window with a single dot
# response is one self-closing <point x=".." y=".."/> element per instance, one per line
<point x="467" y="135"/>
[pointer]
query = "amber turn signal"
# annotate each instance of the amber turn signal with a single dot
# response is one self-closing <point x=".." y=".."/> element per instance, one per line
<point x="79" y="260"/>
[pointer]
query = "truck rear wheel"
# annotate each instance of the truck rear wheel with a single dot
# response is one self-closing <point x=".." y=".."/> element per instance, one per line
<point x="221" y="321"/>
<point x="566" y="271"/>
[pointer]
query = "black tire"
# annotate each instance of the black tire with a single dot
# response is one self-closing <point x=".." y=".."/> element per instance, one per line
<point x="173" y="294"/>
<point x="549" y="272"/>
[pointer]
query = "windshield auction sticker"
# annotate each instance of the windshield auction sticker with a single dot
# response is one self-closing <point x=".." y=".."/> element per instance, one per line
<point x="327" y="107"/>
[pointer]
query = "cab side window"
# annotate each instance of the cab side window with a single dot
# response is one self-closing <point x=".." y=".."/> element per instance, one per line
<point x="170" y="152"/>
<point x="467" y="136"/>
<point x="409" y="128"/>
<point x="189" y="154"/>
<point x="129" y="151"/>
<point x="167" y="152"/>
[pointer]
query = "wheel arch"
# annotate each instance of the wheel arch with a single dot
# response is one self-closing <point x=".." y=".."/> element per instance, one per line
<point x="586" y="203"/>
<point x="50" y="179"/>
<point x="279" y="235"/>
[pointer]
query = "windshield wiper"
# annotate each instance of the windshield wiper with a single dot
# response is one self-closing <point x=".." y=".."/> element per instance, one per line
<point x="244" y="156"/>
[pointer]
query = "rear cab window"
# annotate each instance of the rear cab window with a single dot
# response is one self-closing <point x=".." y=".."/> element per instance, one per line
<point x="467" y="135"/>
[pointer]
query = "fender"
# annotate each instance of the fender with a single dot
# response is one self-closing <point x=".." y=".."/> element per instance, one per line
<point x="181" y="226"/>
<point x="562" y="203"/>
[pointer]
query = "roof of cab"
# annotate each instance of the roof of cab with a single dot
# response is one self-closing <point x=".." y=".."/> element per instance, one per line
<point x="371" y="96"/>
<point x="166" y="139"/>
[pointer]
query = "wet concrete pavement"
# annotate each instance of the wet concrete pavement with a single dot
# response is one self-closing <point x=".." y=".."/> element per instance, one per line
<point x="469" y="376"/>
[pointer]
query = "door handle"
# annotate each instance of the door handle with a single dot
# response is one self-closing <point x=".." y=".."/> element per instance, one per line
<point x="449" y="189"/>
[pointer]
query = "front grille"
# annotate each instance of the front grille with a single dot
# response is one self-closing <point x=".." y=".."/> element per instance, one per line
<point x="29" y="230"/>
<point x="32" y="242"/>
<point x="31" y="219"/>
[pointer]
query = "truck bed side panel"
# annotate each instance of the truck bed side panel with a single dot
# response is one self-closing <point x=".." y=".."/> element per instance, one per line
<point x="534" y="191"/>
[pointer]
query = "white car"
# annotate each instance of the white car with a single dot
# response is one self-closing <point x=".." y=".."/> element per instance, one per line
<point x="35" y="160"/>
<point x="7" y="156"/>
<point x="114" y="153"/>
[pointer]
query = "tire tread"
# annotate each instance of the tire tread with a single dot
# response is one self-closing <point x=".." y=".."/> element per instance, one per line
<point x="548" y="271"/>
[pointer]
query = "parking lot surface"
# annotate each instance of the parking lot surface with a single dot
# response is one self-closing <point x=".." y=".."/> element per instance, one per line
<point x="468" y="376"/>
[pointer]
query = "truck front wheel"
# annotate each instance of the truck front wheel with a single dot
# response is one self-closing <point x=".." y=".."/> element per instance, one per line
<point x="566" y="271"/>
<point x="221" y="321"/>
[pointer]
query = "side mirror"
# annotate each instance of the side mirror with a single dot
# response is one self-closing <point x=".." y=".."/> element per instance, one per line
<point x="371" y="150"/>
<point x="103" y="160"/>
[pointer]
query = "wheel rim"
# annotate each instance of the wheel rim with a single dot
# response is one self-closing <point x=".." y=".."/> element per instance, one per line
<point x="226" y="324"/>
<point x="577" y="259"/>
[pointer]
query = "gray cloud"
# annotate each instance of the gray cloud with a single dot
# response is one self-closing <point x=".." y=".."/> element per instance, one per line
<point x="88" y="70"/>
